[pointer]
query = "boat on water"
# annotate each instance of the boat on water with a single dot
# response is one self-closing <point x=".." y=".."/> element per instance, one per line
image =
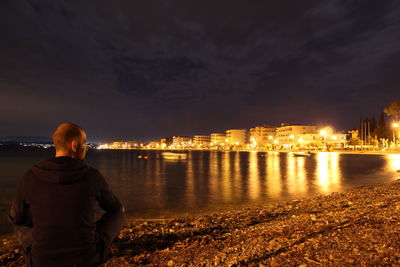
<point x="301" y="154"/>
<point x="173" y="155"/>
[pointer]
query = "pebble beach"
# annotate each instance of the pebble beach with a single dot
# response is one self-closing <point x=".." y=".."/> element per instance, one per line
<point x="358" y="227"/>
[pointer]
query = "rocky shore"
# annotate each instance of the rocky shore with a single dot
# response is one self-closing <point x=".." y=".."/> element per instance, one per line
<point x="359" y="227"/>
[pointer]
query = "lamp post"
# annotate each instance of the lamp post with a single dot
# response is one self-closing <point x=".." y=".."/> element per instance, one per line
<point x="301" y="142"/>
<point x="395" y="126"/>
<point x="323" y="133"/>
<point x="275" y="144"/>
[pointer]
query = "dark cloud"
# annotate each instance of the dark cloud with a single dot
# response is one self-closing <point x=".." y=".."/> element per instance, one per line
<point x="156" y="68"/>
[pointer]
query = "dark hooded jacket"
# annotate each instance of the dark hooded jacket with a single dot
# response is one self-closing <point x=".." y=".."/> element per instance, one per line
<point x="58" y="198"/>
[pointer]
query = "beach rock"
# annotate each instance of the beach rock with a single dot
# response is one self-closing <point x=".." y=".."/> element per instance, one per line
<point x="358" y="227"/>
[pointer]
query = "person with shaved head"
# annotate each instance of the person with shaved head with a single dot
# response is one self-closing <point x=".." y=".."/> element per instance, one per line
<point x="55" y="205"/>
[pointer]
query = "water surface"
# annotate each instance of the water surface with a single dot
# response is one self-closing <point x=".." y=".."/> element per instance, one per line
<point x="208" y="181"/>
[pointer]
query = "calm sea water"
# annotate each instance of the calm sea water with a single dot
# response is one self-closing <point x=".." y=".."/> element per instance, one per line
<point x="208" y="181"/>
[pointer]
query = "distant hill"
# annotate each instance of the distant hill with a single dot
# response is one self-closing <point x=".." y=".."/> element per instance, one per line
<point x="25" y="139"/>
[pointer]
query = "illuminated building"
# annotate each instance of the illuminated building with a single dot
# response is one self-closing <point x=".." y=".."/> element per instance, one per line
<point x="217" y="138"/>
<point x="180" y="141"/>
<point x="166" y="142"/>
<point x="237" y="137"/>
<point x="309" y="136"/>
<point x="154" y="144"/>
<point x="201" y="141"/>
<point x="262" y="136"/>
<point x="288" y="133"/>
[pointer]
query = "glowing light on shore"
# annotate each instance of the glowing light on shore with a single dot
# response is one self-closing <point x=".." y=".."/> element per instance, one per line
<point x="103" y="146"/>
<point x="393" y="162"/>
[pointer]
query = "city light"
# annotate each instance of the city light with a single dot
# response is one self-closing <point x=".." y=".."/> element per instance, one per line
<point x="291" y="138"/>
<point x="323" y="132"/>
<point x="395" y="126"/>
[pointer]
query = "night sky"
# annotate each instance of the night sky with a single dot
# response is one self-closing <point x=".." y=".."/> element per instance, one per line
<point x="127" y="70"/>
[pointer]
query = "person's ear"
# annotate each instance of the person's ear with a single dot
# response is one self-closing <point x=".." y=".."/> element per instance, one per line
<point x="74" y="146"/>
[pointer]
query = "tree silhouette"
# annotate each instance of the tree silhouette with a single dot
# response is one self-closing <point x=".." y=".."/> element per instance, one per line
<point x="382" y="130"/>
<point x="393" y="110"/>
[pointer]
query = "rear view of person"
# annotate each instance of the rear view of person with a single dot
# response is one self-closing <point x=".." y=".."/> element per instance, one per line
<point x="55" y="205"/>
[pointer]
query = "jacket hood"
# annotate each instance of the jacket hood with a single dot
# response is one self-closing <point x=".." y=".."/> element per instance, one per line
<point x="61" y="170"/>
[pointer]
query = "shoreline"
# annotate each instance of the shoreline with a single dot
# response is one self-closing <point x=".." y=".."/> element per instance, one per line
<point x="360" y="226"/>
<point x="361" y="152"/>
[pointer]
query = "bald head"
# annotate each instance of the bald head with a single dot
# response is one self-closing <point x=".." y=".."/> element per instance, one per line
<point x="70" y="140"/>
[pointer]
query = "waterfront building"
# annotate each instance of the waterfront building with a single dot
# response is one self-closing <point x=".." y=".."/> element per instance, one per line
<point x="181" y="141"/>
<point x="166" y="142"/>
<point x="262" y="136"/>
<point x="338" y="140"/>
<point x="287" y="134"/>
<point x="309" y="136"/>
<point x="154" y="145"/>
<point x="132" y="144"/>
<point x="217" y="138"/>
<point x="201" y="141"/>
<point x="237" y="137"/>
<point x="119" y="145"/>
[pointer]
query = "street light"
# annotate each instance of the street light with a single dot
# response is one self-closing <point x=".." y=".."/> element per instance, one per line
<point x="395" y="126"/>
<point x="323" y="133"/>
<point x="300" y="142"/>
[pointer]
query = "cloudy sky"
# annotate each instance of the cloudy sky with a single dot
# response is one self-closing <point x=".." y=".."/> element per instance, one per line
<point x="149" y="69"/>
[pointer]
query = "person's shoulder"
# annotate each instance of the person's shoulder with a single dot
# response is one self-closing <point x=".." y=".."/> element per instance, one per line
<point x="94" y="174"/>
<point x="28" y="177"/>
<point x="29" y="174"/>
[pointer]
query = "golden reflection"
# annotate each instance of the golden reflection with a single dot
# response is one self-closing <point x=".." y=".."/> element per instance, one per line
<point x="393" y="162"/>
<point x="328" y="171"/>
<point x="191" y="184"/>
<point x="291" y="173"/>
<point x="296" y="174"/>
<point x="254" y="179"/>
<point x="274" y="182"/>
<point x="215" y="179"/>
<point x="226" y="189"/>
<point x="236" y="185"/>
<point x="157" y="182"/>
<point x="301" y="174"/>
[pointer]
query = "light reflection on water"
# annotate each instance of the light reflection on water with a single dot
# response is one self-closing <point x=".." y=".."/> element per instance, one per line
<point x="328" y="172"/>
<point x="274" y="181"/>
<point x="210" y="181"/>
<point x="220" y="180"/>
